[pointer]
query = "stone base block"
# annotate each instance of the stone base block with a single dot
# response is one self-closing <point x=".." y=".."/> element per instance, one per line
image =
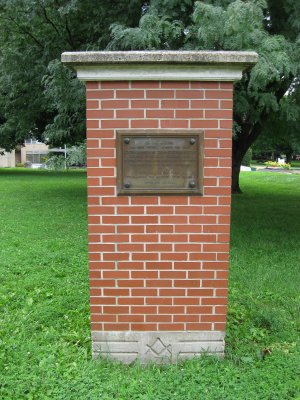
<point x="158" y="347"/>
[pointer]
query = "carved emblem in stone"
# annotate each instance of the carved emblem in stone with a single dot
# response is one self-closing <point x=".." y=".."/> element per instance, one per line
<point x="159" y="349"/>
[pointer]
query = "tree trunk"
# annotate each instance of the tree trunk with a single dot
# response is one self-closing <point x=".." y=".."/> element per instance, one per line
<point x="289" y="155"/>
<point x="240" y="146"/>
<point x="246" y="137"/>
<point x="237" y="157"/>
<point x="235" y="184"/>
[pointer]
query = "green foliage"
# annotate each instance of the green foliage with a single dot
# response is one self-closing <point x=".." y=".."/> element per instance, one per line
<point x="232" y="25"/>
<point x="77" y="155"/>
<point x="209" y="26"/>
<point x="247" y="158"/>
<point x="56" y="162"/>
<point x="41" y="98"/>
<point x="37" y="95"/>
<point x="66" y="100"/>
<point x="284" y="17"/>
<point x="282" y="131"/>
<point x="44" y="299"/>
<point x="174" y="9"/>
<point x="240" y="26"/>
<point x="153" y="33"/>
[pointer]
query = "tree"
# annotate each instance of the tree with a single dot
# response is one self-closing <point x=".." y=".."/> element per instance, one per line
<point x="281" y="134"/>
<point x="270" y="28"/>
<point x="38" y="96"/>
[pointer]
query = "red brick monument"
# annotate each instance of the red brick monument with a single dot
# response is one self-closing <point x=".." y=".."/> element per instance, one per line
<point x="159" y="128"/>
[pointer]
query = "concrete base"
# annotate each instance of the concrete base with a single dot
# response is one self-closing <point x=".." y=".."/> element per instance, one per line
<point x="158" y="347"/>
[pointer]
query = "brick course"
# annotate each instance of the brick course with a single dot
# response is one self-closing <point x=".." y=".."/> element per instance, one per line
<point x="158" y="263"/>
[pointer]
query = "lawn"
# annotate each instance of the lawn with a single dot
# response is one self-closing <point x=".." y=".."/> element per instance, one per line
<point x="44" y="316"/>
<point x="295" y="163"/>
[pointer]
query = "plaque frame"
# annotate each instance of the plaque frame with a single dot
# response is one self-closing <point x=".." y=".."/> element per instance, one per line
<point x="156" y="133"/>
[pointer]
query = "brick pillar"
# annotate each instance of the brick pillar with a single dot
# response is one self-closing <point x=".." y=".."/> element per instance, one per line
<point x="158" y="263"/>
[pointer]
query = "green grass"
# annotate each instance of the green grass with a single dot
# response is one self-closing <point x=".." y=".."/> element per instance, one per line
<point x="295" y="163"/>
<point x="44" y="311"/>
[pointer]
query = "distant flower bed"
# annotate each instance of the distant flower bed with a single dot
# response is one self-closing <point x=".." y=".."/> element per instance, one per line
<point x="275" y="164"/>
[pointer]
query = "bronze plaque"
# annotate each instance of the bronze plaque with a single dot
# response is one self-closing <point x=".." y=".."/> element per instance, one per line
<point x="159" y="162"/>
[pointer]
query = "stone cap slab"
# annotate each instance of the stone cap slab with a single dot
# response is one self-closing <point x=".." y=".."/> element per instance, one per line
<point x="160" y="65"/>
<point x="244" y="58"/>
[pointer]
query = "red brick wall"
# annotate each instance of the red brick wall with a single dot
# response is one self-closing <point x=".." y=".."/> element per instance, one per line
<point x="158" y="262"/>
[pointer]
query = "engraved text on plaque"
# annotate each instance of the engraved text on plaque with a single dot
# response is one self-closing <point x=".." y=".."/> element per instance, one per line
<point x="159" y="162"/>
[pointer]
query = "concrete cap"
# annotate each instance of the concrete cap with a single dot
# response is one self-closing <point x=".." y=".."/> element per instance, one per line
<point x="195" y="57"/>
<point x="159" y="65"/>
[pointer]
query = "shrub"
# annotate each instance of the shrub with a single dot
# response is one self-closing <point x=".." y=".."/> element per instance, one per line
<point x="56" y="162"/>
<point x="247" y="158"/>
<point x="275" y="164"/>
<point x="77" y="155"/>
<point x="272" y="164"/>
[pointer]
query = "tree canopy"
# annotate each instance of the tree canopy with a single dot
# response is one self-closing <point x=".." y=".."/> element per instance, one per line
<point x="285" y="129"/>
<point x="40" y="97"/>
<point x="270" y="28"/>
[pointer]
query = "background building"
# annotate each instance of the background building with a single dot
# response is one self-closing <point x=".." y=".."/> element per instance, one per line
<point x="32" y="154"/>
<point x="7" y="160"/>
